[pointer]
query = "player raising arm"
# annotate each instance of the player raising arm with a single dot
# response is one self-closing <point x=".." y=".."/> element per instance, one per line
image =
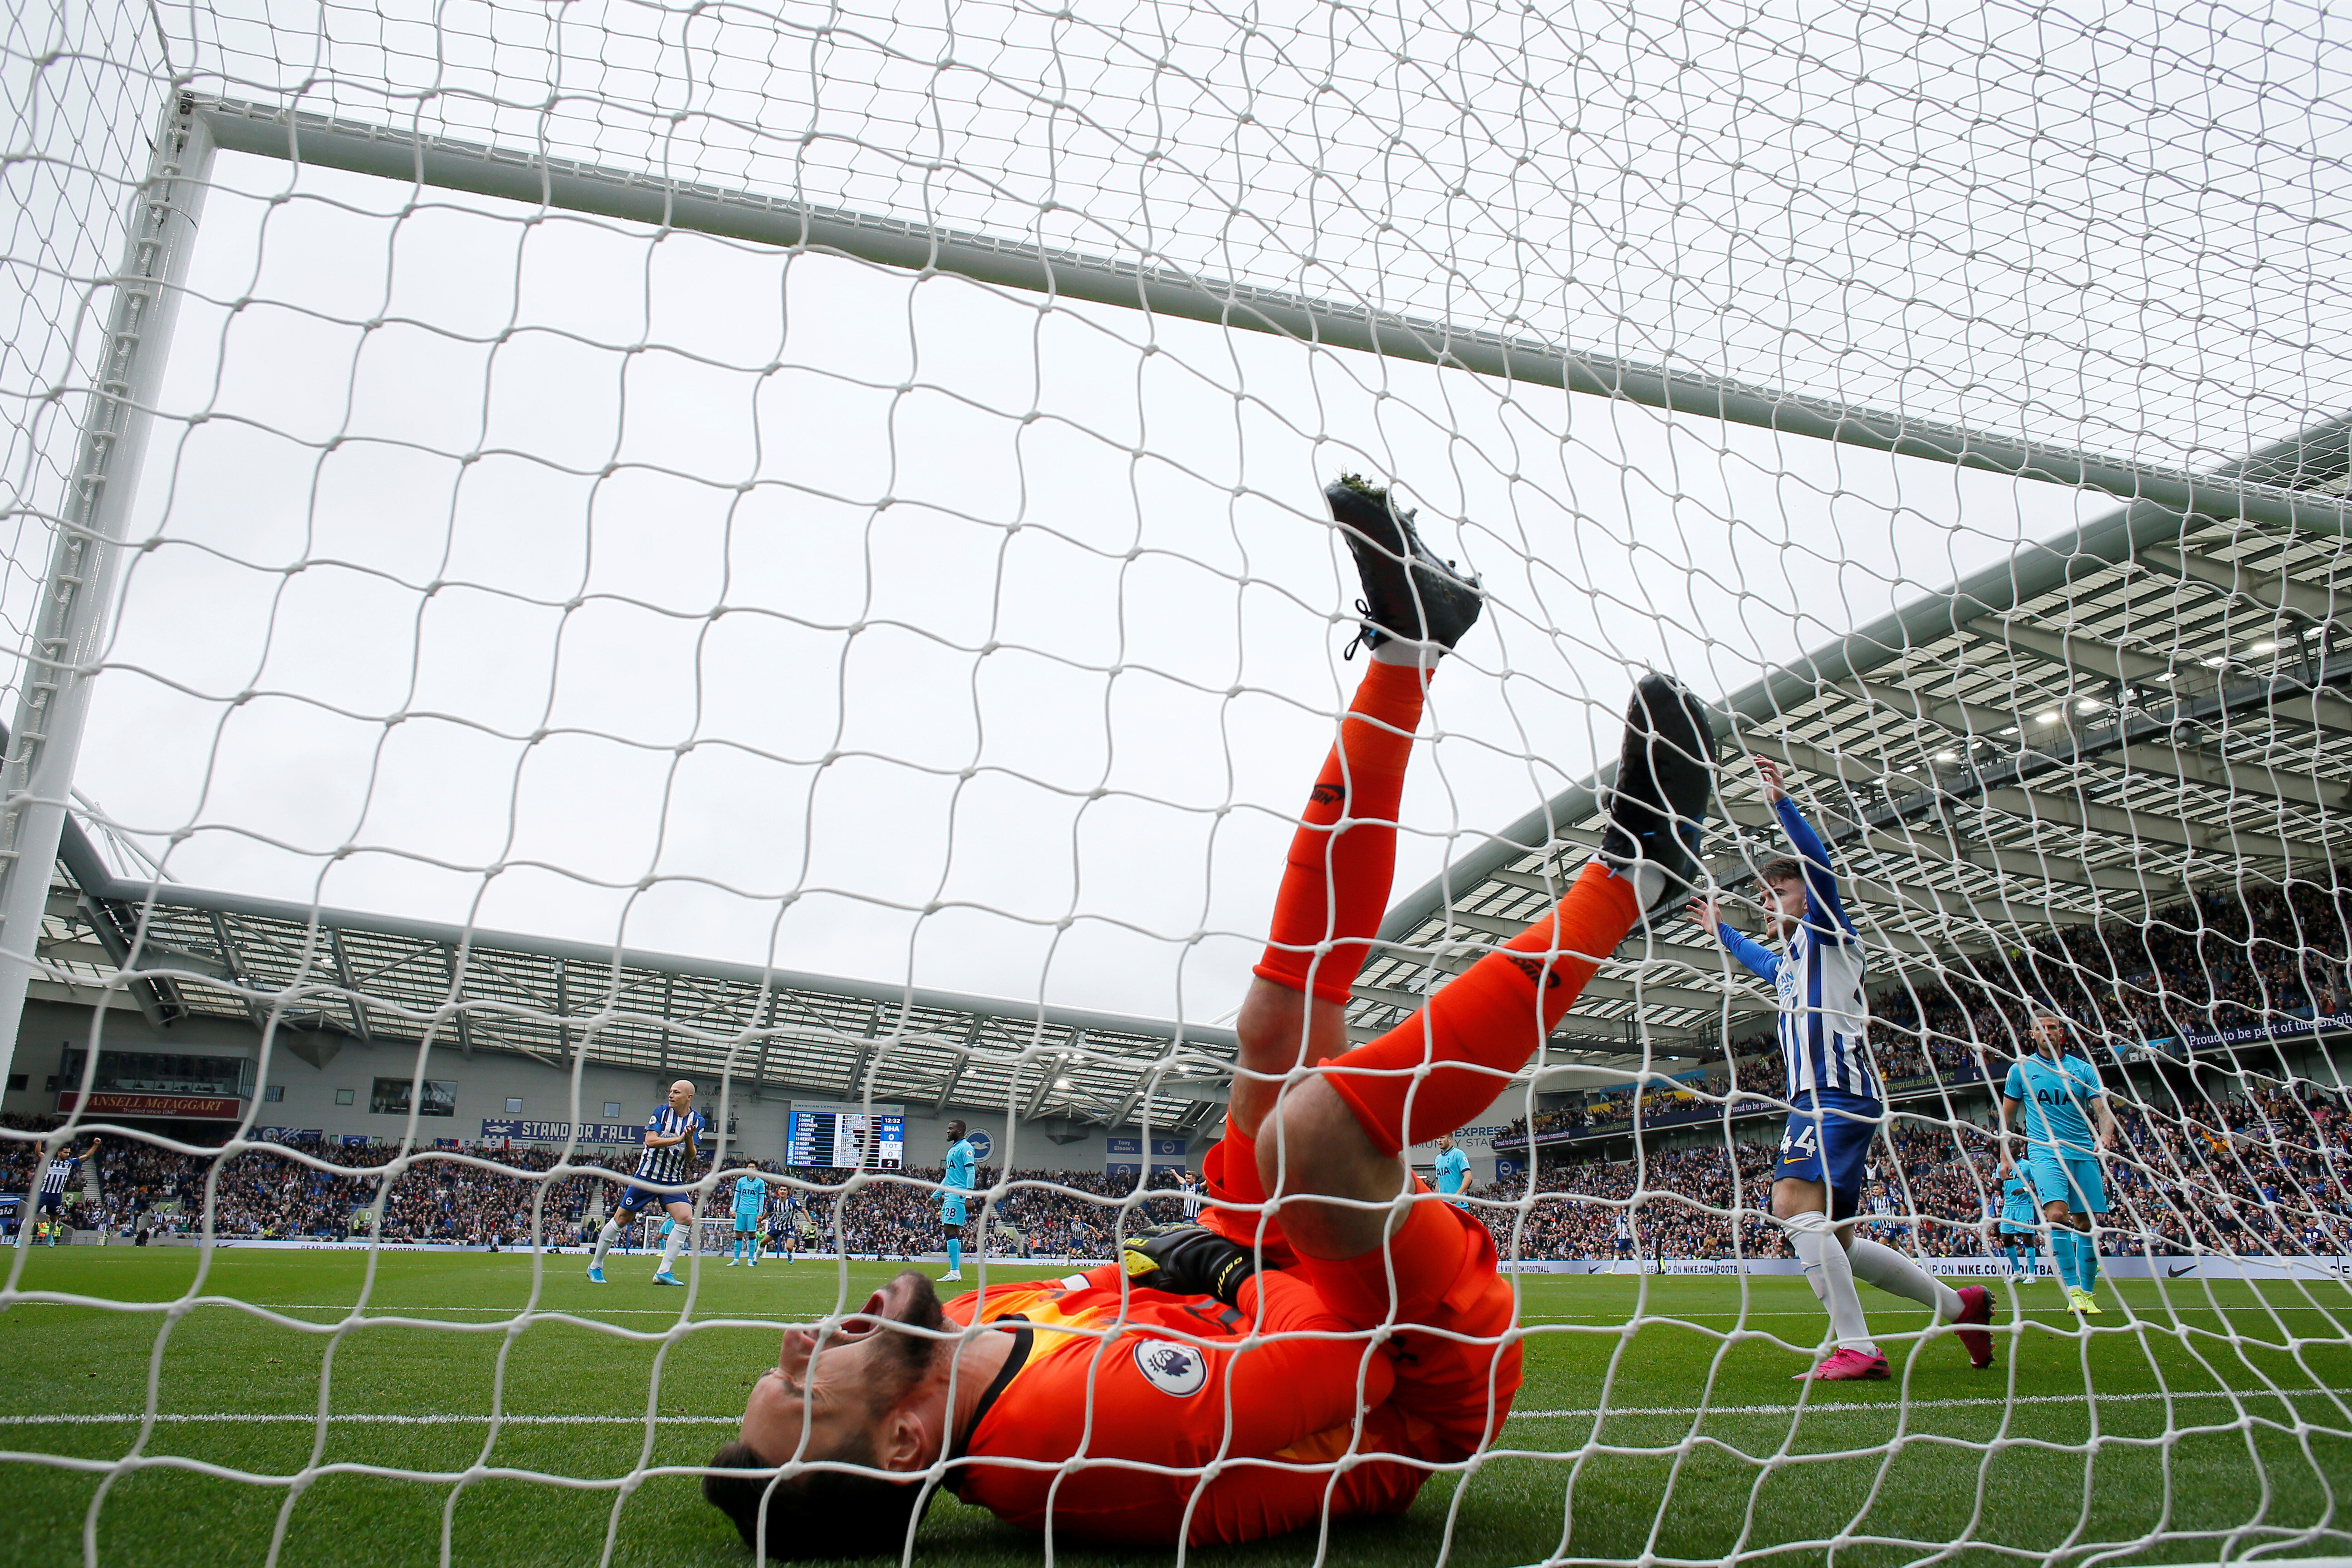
<point x="56" y="1178"/>
<point x="1835" y="1104"/>
<point x="1333" y="1339"/>
<point x="2061" y="1091"/>
<point x="673" y="1134"/>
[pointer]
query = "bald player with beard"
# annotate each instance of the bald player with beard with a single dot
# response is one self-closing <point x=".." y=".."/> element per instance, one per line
<point x="1327" y="1338"/>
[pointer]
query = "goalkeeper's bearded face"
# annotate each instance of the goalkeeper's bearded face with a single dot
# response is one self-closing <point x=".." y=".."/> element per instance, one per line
<point x="843" y="1384"/>
<point x="862" y="1392"/>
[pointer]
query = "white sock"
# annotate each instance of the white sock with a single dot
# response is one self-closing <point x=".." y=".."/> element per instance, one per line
<point x="604" y="1241"/>
<point x="1890" y="1271"/>
<point x="1831" y="1274"/>
<point x="1396" y="650"/>
<point x="1648" y="880"/>
<point x="669" y="1248"/>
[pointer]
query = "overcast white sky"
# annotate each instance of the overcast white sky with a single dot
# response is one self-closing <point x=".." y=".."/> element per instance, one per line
<point x="546" y="574"/>
<point x="1035" y="726"/>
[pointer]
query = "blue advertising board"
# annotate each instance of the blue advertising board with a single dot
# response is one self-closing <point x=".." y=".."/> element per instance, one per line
<point x="561" y="1131"/>
<point x="2282" y="1027"/>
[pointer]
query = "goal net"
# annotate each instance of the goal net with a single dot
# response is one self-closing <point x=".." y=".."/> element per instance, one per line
<point x="835" y="493"/>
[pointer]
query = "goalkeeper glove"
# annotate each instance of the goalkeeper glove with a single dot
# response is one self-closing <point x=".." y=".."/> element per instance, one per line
<point x="1187" y="1260"/>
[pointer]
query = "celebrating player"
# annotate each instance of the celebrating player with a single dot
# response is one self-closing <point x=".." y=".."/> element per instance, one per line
<point x="1189" y="1185"/>
<point x="2061" y="1157"/>
<point x="1836" y="1106"/>
<point x="954" y="1182"/>
<point x="1327" y="1339"/>
<point x="1452" y="1172"/>
<point x="57" y="1177"/>
<point x="750" y="1202"/>
<point x="673" y="1136"/>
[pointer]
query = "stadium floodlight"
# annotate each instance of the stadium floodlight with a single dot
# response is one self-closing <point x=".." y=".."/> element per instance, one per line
<point x="844" y="490"/>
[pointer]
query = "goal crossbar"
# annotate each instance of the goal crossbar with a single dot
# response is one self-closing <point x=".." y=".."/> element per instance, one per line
<point x="645" y="196"/>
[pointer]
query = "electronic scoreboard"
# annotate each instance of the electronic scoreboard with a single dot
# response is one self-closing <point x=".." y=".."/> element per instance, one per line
<point x="844" y="1138"/>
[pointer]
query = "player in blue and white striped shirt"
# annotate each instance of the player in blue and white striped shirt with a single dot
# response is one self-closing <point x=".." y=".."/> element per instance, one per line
<point x="673" y="1136"/>
<point x="55" y="1177"/>
<point x="1835" y="1103"/>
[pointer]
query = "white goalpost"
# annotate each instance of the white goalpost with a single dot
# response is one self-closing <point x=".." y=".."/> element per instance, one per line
<point x="836" y="492"/>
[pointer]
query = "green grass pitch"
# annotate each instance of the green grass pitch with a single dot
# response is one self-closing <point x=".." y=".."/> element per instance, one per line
<point x="2130" y="1435"/>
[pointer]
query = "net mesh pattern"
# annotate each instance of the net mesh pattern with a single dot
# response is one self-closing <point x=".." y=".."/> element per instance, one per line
<point x="554" y="653"/>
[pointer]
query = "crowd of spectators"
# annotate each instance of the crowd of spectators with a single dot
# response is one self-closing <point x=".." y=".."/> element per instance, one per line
<point x="2265" y="1173"/>
<point x="2211" y="964"/>
<point x="331" y="1191"/>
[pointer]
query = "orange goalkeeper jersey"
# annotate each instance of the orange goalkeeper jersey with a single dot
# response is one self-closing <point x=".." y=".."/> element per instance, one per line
<point x="1144" y="1416"/>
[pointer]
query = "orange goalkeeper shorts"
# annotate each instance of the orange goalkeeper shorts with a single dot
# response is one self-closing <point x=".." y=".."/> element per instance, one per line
<point x="1456" y="1349"/>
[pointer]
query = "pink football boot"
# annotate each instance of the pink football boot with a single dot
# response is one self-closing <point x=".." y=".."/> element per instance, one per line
<point x="1846" y="1366"/>
<point x="1975" y="1307"/>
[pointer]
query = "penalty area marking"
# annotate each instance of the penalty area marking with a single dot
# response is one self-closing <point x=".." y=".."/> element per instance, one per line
<point x="234" y="1417"/>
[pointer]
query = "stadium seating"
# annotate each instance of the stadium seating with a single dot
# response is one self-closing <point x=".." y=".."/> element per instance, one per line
<point x="2261" y="1172"/>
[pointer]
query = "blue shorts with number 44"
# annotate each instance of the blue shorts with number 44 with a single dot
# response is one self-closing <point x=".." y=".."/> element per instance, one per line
<point x="1828" y="1140"/>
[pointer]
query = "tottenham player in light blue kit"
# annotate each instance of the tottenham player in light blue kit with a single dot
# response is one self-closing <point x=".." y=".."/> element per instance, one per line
<point x="2061" y="1092"/>
<point x="1835" y="1103"/>
<point x="956" y="1181"/>
<point x="751" y="1203"/>
<point x="2021" y="1220"/>
<point x="673" y="1136"/>
<point x="1452" y="1173"/>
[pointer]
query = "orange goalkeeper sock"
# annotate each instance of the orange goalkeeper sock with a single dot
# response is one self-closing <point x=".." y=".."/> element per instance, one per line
<point x="1438" y="1069"/>
<point x="1335" y="887"/>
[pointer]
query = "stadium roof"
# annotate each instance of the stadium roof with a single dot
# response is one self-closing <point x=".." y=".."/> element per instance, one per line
<point x="328" y="975"/>
<point x="2152" y="700"/>
<point x="2155" y="698"/>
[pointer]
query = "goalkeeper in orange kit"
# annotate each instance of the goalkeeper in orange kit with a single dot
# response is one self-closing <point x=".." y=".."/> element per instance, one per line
<point x="1328" y="1337"/>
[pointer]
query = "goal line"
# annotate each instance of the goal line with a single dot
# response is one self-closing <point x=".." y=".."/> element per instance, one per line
<point x="1577" y="1413"/>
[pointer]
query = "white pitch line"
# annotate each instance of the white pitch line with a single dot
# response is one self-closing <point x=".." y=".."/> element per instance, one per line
<point x="2033" y="1314"/>
<point x="379" y="1309"/>
<point x="1845" y="1408"/>
<point x="241" y="1418"/>
<point x="370" y="1420"/>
